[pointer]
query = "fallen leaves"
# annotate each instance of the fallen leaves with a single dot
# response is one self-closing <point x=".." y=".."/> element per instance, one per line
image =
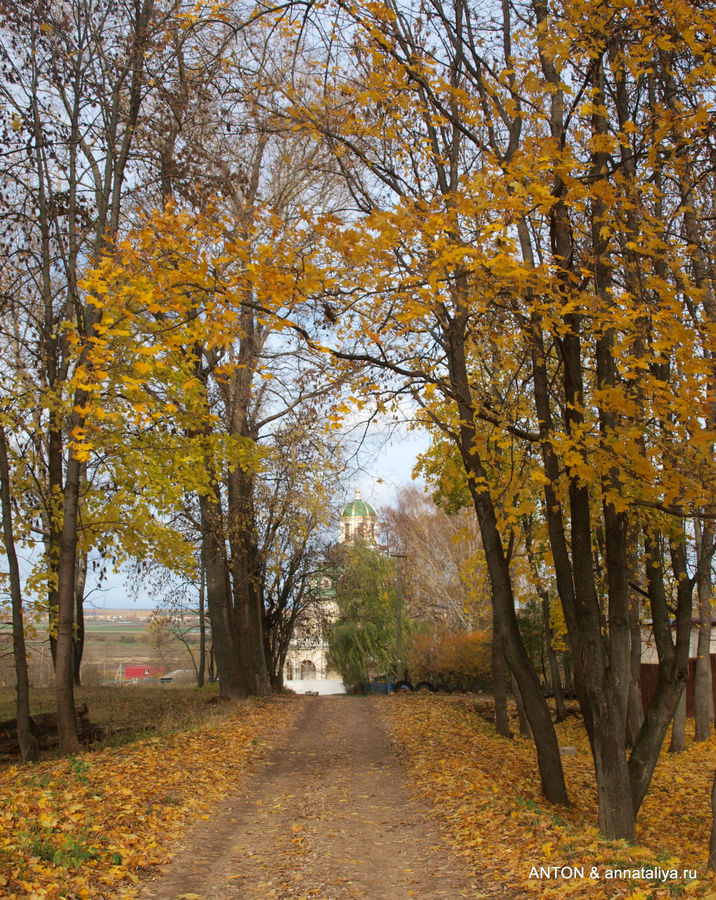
<point x="87" y="826"/>
<point x="90" y="826"/>
<point x="486" y="789"/>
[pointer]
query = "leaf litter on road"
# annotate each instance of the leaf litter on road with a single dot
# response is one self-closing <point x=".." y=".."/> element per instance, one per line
<point x="486" y="790"/>
<point x="88" y="826"/>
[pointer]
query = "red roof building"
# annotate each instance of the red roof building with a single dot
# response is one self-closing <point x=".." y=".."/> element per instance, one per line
<point x="135" y="674"/>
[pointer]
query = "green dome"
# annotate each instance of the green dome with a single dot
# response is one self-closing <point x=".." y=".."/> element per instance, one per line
<point x="357" y="508"/>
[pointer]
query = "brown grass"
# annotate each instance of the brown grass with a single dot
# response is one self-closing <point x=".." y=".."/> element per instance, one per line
<point x="128" y="712"/>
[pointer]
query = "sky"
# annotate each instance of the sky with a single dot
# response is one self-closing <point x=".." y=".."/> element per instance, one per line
<point x="390" y="470"/>
<point x="384" y="465"/>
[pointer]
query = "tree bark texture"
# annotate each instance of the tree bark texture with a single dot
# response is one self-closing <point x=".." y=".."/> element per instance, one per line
<point x="230" y="656"/>
<point x="499" y="688"/>
<point x="29" y="746"/>
<point x="678" y="726"/>
<point x="703" y="682"/>
<point x="525" y="730"/>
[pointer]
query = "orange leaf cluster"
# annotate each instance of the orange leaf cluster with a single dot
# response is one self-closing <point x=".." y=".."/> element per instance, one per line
<point x="86" y="826"/>
<point x="486" y="789"/>
<point x="456" y="658"/>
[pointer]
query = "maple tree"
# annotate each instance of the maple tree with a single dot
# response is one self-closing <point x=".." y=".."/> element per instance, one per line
<point x="241" y="405"/>
<point x="257" y="390"/>
<point x="517" y="267"/>
<point x="106" y="463"/>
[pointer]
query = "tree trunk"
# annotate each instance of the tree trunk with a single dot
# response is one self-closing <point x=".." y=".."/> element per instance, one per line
<point x="503" y="604"/>
<point x="554" y="672"/>
<point x="703" y="683"/>
<point x="64" y="674"/>
<point x="78" y="642"/>
<point x="513" y="649"/>
<point x="499" y="688"/>
<point x="29" y="747"/>
<point x="54" y="523"/>
<point x="525" y="730"/>
<point x="673" y="662"/>
<point x="712" y="842"/>
<point x="635" y="704"/>
<point x="555" y="675"/>
<point x="200" y="674"/>
<point x="247" y="580"/>
<point x="678" y="727"/>
<point x="226" y="652"/>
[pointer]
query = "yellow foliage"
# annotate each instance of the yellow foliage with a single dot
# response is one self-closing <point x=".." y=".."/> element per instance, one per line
<point x="486" y="790"/>
<point x="89" y="825"/>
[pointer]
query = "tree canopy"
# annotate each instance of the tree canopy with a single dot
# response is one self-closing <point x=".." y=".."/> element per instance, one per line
<point x="230" y="227"/>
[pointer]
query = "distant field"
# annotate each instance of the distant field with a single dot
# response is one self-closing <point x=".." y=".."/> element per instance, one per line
<point x="116" y="627"/>
<point x="109" y="647"/>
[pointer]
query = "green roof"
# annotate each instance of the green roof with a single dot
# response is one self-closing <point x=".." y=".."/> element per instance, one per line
<point x="357" y="508"/>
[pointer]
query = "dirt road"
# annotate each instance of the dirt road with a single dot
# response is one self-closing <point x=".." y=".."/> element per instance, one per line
<point x="327" y="815"/>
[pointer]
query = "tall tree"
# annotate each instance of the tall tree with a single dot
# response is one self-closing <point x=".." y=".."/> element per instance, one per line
<point x="561" y="339"/>
<point x="29" y="747"/>
<point x="73" y="79"/>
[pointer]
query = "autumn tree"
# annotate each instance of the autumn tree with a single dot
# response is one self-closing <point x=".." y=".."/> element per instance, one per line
<point x="86" y="87"/>
<point x="73" y="80"/>
<point x="444" y="571"/>
<point x="227" y="160"/>
<point x="294" y="500"/>
<point x="525" y="264"/>
<point x="410" y="263"/>
<point x="225" y="382"/>
<point x="29" y="747"/>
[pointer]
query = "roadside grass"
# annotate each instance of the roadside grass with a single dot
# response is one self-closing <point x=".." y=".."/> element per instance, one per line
<point x="88" y="826"/>
<point x="486" y="791"/>
<point x="127" y="712"/>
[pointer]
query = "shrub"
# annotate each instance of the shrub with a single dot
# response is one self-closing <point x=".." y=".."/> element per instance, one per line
<point x="462" y="661"/>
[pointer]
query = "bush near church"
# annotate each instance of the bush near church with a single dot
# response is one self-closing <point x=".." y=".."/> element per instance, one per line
<point x="462" y="661"/>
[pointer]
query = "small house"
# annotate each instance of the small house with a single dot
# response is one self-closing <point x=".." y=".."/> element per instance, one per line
<point x="135" y="674"/>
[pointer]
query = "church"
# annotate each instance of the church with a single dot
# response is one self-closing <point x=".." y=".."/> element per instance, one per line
<point x="358" y="519"/>
<point x="306" y="667"/>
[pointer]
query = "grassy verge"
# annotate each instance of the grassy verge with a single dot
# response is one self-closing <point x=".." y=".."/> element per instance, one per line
<point x="128" y="712"/>
<point x="486" y="790"/>
<point x="87" y="826"/>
